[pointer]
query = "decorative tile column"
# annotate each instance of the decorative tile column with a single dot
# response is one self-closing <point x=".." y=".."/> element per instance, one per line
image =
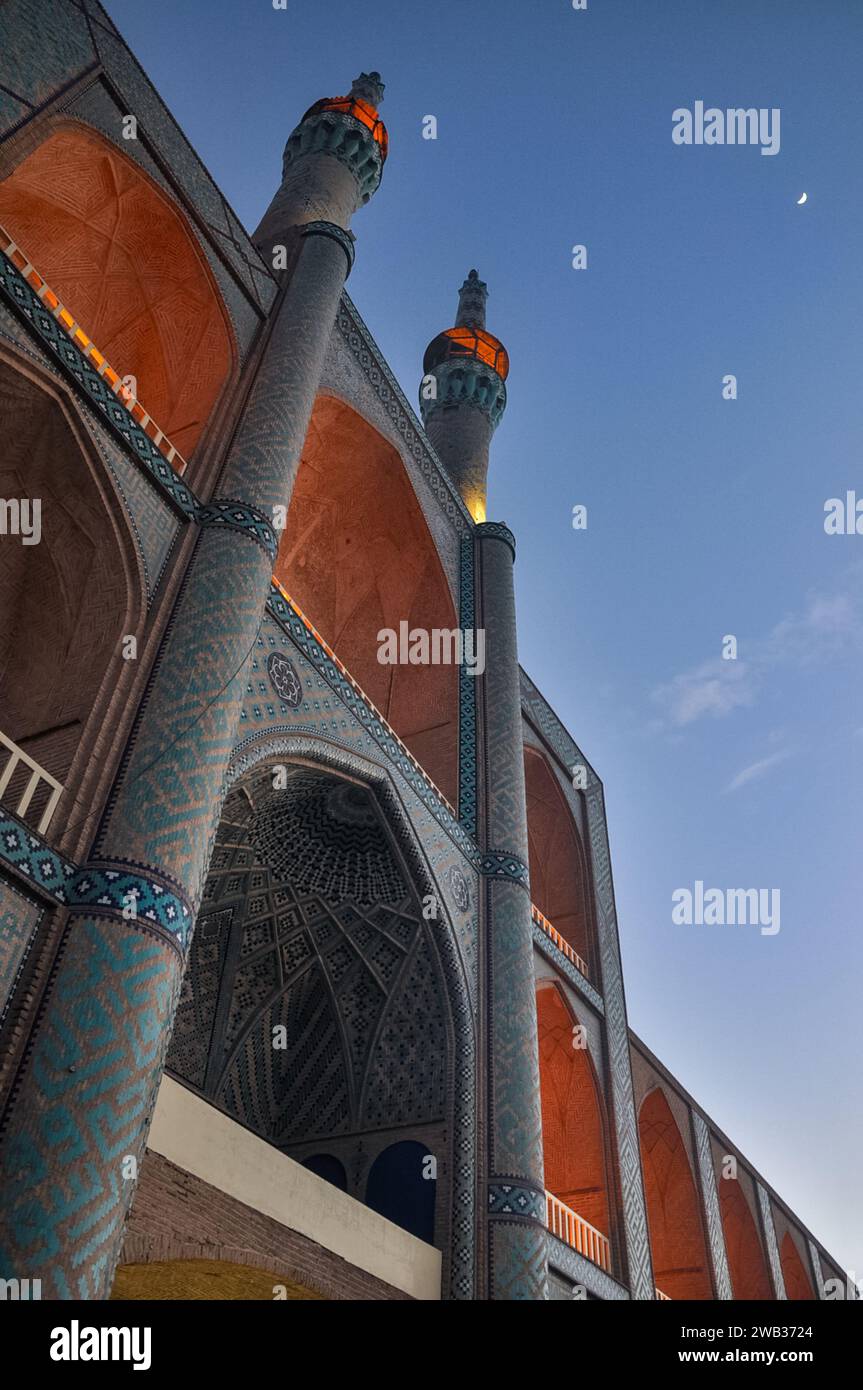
<point x="712" y="1213"/>
<point x="78" y="1125"/>
<point x="518" y="1241"/>
<point x="771" y="1243"/>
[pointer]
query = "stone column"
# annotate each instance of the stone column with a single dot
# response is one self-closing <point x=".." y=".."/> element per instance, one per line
<point x="517" y="1238"/>
<point x="78" y="1124"/>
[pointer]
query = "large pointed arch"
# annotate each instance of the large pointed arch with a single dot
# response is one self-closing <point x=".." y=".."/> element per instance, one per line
<point x="558" y="871"/>
<point x="311" y="921"/>
<point x="357" y="557"/>
<point x="121" y="258"/>
<point x="746" y="1263"/>
<point x="680" y="1260"/>
<point x="67" y="601"/>
<point x="798" y="1285"/>
<point x="573" y="1119"/>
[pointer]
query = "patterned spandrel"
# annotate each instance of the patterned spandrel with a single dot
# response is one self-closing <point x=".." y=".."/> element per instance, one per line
<point x="772" y="1246"/>
<point x="710" y="1197"/>
<point x="583" y="1272"/>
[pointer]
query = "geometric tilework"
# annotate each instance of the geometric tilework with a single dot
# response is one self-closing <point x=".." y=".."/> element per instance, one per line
<point x="159" y="904"/>
<point x="584" y="1272"/>
<point x="84" y="1104"/>
<point x="467" y="696"/>
<point x="716" y="1237"/>
<point x="513" y="1199"/>
<point x="626" y="1127"/>
<point x="564" y="966"/>
<point x="499" y="864"/>
<point x="19" y="920"/>
<point x="222" y="511"/>
<point x="772" y="1246"/>
<point x="284" y="613"/>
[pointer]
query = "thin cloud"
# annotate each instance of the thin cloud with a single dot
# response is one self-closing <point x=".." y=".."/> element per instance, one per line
<point x="829" y="624"/>
<point x="754" y="771"/>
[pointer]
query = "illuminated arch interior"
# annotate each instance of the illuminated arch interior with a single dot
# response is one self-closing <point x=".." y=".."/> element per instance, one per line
<point x="120" y="257"/>
<point x="572" y="1126"/>
<point x="357" y="557"/>
<point x="798" y="1285"/>
<point x="680" y="1266"/>
<point x="746" y="1263"/>
<point x="557" y="872"/>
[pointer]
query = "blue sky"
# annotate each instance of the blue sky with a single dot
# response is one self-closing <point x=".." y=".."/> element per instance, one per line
<point x="705" y="516"/>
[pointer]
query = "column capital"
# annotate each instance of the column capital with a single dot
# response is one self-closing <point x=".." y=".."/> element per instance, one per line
<point x="497" y="531"/>
<point x="345" y="239"/>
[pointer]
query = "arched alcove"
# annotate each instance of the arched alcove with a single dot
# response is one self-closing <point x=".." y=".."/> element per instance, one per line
<point x="573" y="1135"/>
<point x="680" y="1260"/>
<point x="66" y="601"/>
<point x="558" y="875"/>
<point x="357" y="557"/>
<point x="119" y="255"/>
<point x="315" y="1008"/>
<point x="401" y="1186"/>
<point x="746" y="1263"/>
<point x="329" y="1168"/>
<point x="798" y="1285"/>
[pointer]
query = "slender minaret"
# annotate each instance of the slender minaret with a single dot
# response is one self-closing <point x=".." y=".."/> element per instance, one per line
<point x="332" y="165"/>
<point x="109" y="1009"/>
<point x="462" y="394"/>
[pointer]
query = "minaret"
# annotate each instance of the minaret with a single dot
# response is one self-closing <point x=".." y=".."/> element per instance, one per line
<point x="462" y="394"/>
<point x="106" y="1019"/>
<point x="332" y="165"/>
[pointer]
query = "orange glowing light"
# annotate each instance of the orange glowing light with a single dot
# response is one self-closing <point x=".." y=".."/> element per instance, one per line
<point x="361" y="111"/>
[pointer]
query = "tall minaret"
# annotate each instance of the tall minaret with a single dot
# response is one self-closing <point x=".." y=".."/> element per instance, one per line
<point x="332" y="165"/>
<point x="462" y="394"/>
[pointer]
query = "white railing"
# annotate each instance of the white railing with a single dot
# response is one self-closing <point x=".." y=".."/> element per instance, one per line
<point x="37" y="775"/>
<point x="571" y="1228"/>
<point x="559" y="941"/>
<point x="664" y="1297"/>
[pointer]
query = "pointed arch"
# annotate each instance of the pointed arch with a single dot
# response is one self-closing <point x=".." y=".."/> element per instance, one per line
<point x="573" y="1119"/>
<point x="746" y="1263"/>
<point x="798" y="1285"/>
<point x="122" y="259"/>
<point x="357" y="557"/>
<point x="680" y="1261"/>
<point x="68" y="599"/>
<point x="558" y="869"/>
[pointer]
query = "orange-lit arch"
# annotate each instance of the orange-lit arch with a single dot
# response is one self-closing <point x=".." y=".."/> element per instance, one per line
<point x="746" y="1263"/>
<point x="357" y="556"/>
<point x="798" y="1285"/>
<point x="680" y="1267"/>
<point x="557" y="868"/>
<point x="572" y="1116"/>
<point x="121" y="258"/>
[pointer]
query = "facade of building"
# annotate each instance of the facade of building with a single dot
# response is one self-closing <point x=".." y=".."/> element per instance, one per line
<point x="310" y="982"/>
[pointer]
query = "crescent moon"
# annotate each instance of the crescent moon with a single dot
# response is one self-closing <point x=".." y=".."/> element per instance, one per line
<point x="802" y="198"/>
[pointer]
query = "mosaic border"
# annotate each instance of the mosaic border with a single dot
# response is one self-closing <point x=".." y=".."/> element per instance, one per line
<point x="710" y="1203"/>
